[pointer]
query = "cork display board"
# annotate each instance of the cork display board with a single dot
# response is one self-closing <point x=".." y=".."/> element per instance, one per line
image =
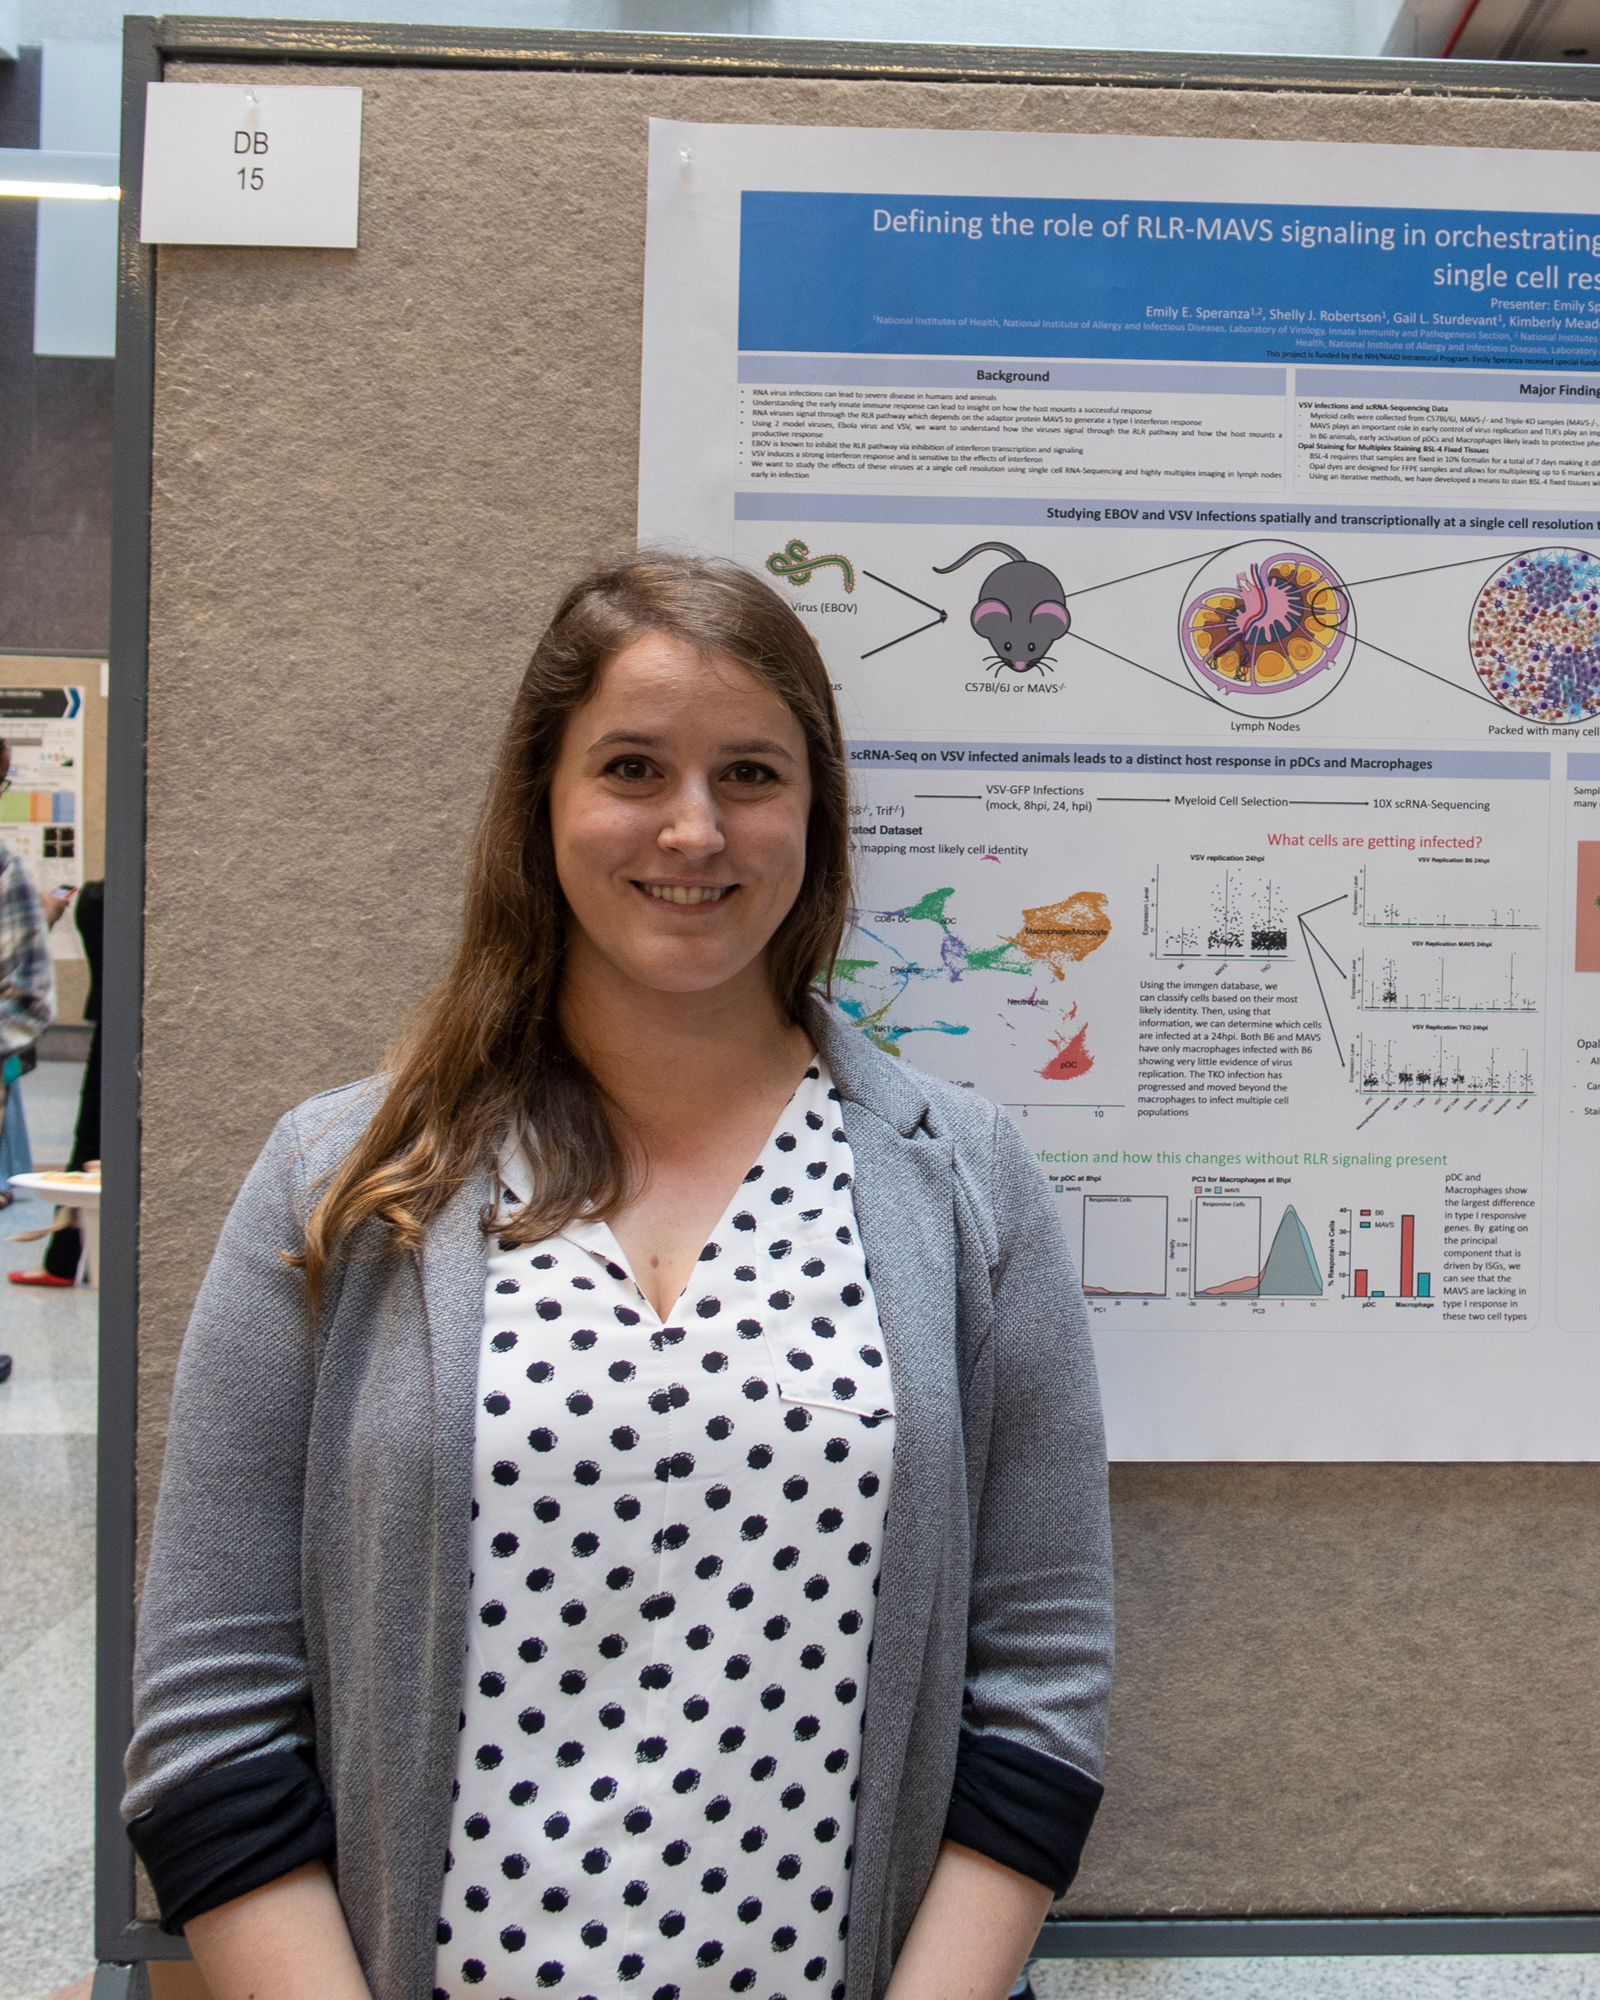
<point x="1350" y="1690"/>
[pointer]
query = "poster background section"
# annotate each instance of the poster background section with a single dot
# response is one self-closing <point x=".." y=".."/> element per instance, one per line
<point x="1275" y="995"/>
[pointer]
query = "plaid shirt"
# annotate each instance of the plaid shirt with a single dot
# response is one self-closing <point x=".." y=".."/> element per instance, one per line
<point x="27" y="978"/>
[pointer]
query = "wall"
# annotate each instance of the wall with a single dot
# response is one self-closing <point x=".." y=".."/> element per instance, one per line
<point x="1279" y="27"/>
<point x="55" y="439"/>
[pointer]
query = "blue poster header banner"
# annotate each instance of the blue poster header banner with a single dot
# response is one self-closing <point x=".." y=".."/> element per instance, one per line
<point x="1178" y="281"/>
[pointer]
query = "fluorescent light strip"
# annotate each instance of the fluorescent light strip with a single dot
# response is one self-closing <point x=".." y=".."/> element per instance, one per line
<point x="60" y="191"/>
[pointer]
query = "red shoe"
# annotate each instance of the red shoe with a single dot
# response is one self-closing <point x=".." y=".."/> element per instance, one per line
<point x="38" y="1278"/>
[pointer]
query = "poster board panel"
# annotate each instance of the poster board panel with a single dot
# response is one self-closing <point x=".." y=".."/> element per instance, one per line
<point x="373" y="472"/>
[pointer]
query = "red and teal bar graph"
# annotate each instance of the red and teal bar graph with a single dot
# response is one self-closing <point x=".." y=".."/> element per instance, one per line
<point x="1414" y="1284"/>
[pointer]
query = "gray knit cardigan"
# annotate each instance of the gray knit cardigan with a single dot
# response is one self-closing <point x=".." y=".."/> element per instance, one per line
<point x="301" y="1633"/>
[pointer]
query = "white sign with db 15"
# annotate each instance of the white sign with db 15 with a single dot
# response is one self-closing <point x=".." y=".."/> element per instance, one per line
<point x="268" y="164"/>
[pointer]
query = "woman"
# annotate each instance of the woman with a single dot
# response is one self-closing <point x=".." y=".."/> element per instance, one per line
<point x="648" y="1337"/>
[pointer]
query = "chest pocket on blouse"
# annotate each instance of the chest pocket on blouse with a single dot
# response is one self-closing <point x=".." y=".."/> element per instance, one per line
<point x="821" y="1320"/>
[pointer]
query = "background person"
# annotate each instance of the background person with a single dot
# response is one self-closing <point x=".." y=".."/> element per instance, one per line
<point x="65" y="1247"/>
<point x="27" y="990"/>
<point x="675" y="1558"/>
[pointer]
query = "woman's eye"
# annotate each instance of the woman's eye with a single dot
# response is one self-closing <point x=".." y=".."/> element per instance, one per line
<point x="750" y="774"/>
<point x="629" y="769"/>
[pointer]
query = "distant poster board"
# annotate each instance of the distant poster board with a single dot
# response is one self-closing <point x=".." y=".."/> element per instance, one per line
<point x="41" y="811"/>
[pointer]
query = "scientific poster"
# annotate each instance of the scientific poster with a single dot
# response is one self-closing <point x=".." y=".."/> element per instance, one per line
<point x="1204" y="540"/>
<point x="41" y="811"/>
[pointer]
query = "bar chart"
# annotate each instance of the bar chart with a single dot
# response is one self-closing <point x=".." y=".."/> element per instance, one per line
<point x="1381" y="1243"/>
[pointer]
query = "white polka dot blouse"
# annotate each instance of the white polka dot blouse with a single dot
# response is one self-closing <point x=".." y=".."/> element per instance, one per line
<point x="675" y="1545"/>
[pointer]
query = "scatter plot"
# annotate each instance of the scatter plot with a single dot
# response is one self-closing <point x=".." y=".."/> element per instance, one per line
<point x="1535" y="635"/>
<point x="1266" y="628"/>
<point x="1225" y="916"/>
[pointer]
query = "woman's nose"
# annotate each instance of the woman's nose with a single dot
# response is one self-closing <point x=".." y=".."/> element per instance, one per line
<point x="692" y="827"/>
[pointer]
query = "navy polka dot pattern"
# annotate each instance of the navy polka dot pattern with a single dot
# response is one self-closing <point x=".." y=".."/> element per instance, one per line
<point x="675" y="1544"/>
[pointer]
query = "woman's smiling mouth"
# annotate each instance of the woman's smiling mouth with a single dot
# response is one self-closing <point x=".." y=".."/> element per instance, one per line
<point x="667" y="892"/>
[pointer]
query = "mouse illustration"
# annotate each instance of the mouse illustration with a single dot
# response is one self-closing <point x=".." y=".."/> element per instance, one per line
<point x="1021" y="609"/>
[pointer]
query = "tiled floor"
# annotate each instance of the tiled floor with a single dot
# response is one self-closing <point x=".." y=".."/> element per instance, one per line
<point x="1548" y="1976"/>
<point x="47" y="1445"/>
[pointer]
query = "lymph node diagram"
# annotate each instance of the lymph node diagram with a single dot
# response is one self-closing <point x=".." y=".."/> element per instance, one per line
<point x="1265" y="627"/>
<point x="1269" y="626"/>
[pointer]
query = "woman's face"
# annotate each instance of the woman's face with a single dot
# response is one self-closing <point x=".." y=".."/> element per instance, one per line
<point x="678" y="808"/>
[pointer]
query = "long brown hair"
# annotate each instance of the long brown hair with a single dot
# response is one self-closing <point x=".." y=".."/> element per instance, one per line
<point x="486" y="1053"/>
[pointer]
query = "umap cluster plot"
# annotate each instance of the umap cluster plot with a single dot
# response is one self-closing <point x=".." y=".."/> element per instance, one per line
<point x="1268" y="627"/>
<point x="1535" y="635"/>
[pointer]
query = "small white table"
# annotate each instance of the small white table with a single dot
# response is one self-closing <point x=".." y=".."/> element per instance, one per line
<point x="82" y="1196"/>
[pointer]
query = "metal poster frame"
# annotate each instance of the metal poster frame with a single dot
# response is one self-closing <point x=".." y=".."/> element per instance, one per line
<point x="123" y="1942"/>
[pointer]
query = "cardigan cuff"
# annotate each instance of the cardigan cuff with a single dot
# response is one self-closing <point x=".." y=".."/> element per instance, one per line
<point x="1020" y="1808"/>
<point x="232" y="1829"/>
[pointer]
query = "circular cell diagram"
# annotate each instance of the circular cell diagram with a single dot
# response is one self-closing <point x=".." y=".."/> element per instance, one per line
<point x="1267" y="628"/>
<point x="1535" y="635"/>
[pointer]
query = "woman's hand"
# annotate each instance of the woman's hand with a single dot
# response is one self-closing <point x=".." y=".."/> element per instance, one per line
<point x="973" y="1932"/>
<point x="284" y="1941"/>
